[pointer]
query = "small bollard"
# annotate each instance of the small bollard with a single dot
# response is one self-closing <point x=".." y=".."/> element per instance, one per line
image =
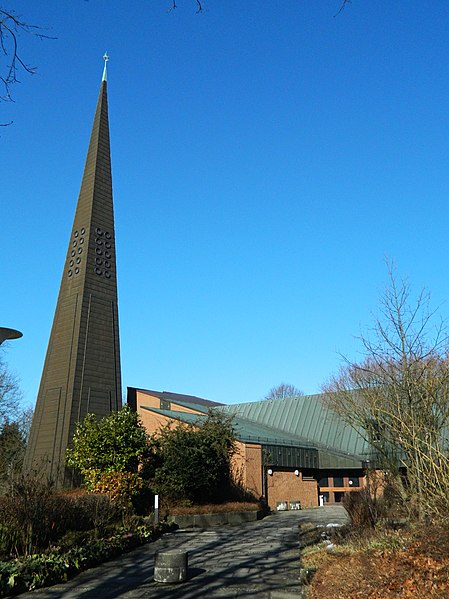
<point x="170" y="566"/>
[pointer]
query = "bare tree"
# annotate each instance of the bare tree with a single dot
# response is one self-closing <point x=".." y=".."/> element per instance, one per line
<point x="14" y="426"/>
<point x="10" y="394"/>
<point x="398" y="394"/>
<point x="12" y="64"/>
<point x="283" y="391"/>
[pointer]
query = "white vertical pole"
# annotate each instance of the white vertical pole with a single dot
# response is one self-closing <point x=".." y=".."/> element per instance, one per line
<point x="156" y="509"/>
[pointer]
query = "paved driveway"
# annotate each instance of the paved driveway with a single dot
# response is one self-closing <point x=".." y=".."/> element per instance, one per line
<point x="254" y="560"/>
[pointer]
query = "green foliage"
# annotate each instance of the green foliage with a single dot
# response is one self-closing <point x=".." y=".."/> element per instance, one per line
<point x="35" y="571"/>
<point x="193" y="462"/>
<point x="116" y="443"/>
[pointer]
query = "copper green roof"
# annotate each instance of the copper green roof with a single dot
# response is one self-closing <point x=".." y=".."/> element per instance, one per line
<point x="304" y="423"/>
<point x="245" y="430"/>
<point x="308" y="420"/>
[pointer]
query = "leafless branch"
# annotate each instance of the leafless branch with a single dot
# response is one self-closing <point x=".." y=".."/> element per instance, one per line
<point x="199" y="5"/>
<point x="342" y="7"/>
<point x="398" y="394"/>
<point x="11" y="62"/>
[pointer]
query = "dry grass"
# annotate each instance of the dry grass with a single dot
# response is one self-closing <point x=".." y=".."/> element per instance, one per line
<point x="388" y="564"/>
<point x="213" y="508"/>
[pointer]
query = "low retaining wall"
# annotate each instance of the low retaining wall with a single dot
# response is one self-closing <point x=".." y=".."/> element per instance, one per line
<point x="219" y="519"/>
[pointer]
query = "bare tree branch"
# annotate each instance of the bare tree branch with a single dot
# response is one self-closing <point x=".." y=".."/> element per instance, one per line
<point x="398" y="395"/>
<point x="283" y="391"/>
<point x="199" y="6"/>
<point x="342" y="7"/>
<point x="11" y="62"/>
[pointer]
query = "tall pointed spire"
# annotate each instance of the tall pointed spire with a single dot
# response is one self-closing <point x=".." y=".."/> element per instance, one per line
<point x="82" y="368"/>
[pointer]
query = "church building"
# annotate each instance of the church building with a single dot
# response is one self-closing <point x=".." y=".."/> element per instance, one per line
<point x="292" y="452"/>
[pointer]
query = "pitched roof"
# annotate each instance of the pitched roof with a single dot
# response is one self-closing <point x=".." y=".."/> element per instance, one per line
<point x="301" y="422"/>
<point x="307" y="419"/>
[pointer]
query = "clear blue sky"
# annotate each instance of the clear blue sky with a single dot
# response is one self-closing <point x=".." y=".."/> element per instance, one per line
<point x="266" y="158"/>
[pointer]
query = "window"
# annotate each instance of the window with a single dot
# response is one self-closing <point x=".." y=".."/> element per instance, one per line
<point x="324" y="482"/>
<point x="338" y="497"/>
<point x="354" y="481"/>
<point x="338" y="481"/>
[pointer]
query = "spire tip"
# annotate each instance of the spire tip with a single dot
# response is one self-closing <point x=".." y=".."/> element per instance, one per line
<point x="105" y="74"/>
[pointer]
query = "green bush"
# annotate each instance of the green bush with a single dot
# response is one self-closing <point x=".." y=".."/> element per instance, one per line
<point x="115" y="443"/>
<point x="111" y="454"/>
<point x="193" y="462"/>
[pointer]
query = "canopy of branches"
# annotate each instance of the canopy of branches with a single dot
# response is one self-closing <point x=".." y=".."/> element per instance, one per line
<point x="283" y="391"/>
<point x="399" y="395"/>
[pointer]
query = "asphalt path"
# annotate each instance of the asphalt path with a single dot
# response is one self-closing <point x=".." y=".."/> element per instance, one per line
<point x="257" y="560"/>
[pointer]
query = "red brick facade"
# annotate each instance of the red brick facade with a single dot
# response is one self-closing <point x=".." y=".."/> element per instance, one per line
<point x="285" y="489"/>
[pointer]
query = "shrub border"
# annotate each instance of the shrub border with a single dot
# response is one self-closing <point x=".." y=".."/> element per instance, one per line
<point x="41" y="570"/>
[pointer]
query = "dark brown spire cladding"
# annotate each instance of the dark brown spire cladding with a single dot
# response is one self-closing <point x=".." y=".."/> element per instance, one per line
<point x="82" y="368"/>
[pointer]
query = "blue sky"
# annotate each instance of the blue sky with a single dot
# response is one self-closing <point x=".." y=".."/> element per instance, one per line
<point x="266" y="158"/>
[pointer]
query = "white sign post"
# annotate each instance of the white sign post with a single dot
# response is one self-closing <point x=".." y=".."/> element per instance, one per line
<point x="156" y="509"/>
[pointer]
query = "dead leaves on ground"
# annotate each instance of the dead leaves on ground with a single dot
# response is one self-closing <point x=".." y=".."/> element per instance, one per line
<point x="421" y="569"/>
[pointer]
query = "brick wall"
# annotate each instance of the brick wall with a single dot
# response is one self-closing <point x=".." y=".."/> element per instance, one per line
<point x="253" y="468"/>
<point x="247" y="467"/>
<point x="285" y="486"/>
